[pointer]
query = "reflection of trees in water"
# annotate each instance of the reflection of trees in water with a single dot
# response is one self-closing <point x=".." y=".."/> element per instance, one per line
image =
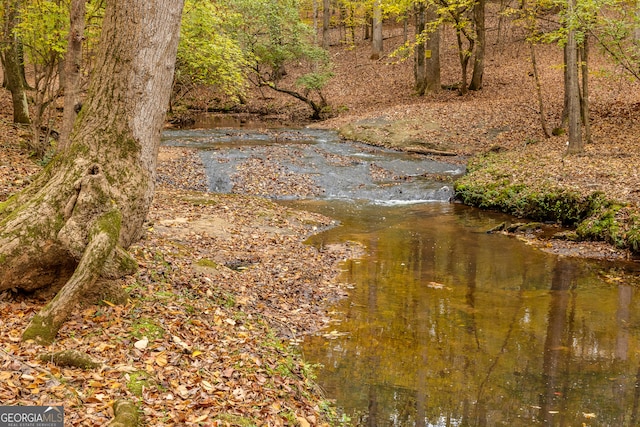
<point x="511" y="336"/>
<point x="557" y="346"/>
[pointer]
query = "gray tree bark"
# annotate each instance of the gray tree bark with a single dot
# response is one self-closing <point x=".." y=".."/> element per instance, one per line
<point x="376" y="35"/>
<point x="326" y="20"/>
<point x="12" y="64"/>
<point x="432" y="57"/>
<point x="74" y="223"/>
<point x="72" y="71"/>
<point x="419" y="68"/>
<point x="584" y="66"/>
<point x="481" y="41"/>
<point x="573" y="90"/>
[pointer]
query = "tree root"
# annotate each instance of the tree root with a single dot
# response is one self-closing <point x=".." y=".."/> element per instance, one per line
<point x="103" y="238"/>
<point x="126" y="414"/>
<point x="70" y="358"/>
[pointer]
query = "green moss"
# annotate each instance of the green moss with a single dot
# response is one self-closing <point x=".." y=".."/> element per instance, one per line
<point x="544" y="204"/>
<point x="109" y="223"/>
<point x="138" y="380"/>
<point x="235" y="420"/>
<point x="602" y="225"/>
<point x="207" y="263"/>
<point x="487" y="185"/>
<point x="41" y="330"/>
<point x="633" y="237"/>
<point x="126" y="412"/>
<point x="145" y="327"/>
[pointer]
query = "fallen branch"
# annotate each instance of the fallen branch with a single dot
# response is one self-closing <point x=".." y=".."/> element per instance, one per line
<point x="70" y="358"/>
<point x="428" y="151"/>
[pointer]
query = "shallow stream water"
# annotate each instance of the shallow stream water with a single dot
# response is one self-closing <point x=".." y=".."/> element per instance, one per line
<point x="445" y="324"/>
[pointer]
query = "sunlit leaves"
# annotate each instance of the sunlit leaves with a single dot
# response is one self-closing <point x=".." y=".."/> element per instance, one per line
<point x="43" y="29"/>
<point x="208" y="52"/>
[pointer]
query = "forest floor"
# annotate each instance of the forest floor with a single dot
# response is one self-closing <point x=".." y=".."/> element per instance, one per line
<point x="241" y="261"/>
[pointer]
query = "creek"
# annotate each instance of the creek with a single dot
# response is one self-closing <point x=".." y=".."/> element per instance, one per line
<point x="445" y="325"/>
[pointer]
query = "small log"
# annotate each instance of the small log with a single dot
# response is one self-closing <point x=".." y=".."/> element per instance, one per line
<point x="70" y="358"/>
<point x="428" y="151"/>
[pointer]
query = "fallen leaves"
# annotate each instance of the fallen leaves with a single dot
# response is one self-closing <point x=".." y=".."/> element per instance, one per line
<point x="193" y="345"/>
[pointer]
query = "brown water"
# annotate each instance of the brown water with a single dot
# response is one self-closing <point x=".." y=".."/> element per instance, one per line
<point x="449" y="326"/>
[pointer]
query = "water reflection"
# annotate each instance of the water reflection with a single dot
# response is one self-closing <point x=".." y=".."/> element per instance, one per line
<point x="450" y="326"/>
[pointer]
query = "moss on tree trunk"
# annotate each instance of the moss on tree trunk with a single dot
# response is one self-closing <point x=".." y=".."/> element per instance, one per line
<point x="73" y="225"/>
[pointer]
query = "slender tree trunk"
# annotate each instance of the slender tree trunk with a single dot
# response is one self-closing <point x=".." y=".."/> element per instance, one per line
<point x="573" y="88"/>
<point x="11" y="64"/>
<point x="73" y="71"/>
<point x="367" y="27"/>
<point x="636" y="31"/>
<point x="564" y="118"/>
<point x="419" y="69"/>
<point x="405" y="28"/>
<point x="543" y="119"/>
<point x="432" y="54"/>
<point x="478" y="63"/>
<point x="352" y="24"/>
<point x="376" y="40"/>
<point x="315" y="21"/>
<point x="501" y="14"/>
<point x="584" y="65"/>
<point x="326" y="20"/>
<point x="72" y="225"/>
<point x="464" y="57"/>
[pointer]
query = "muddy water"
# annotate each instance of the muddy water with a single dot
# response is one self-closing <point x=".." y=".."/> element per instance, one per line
<point x="445" y="324"/>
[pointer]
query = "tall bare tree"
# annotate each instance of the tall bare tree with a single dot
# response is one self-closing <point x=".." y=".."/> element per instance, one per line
<point x="69" y="230"/>
<point x="432" y="53"/>
<point x="419" y="68"/>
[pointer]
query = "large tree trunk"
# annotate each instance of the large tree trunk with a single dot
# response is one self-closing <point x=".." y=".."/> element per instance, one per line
<point x="73" y="224"/>
<point x="478" y="63"/>
<point x="464" y="55"/>
<point x="12" y="64"/>
<point x="72" y="71"/>
<point x="376" y="35"/>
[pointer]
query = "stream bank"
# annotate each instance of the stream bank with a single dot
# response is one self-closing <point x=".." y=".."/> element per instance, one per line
<point x="596" y="194"/>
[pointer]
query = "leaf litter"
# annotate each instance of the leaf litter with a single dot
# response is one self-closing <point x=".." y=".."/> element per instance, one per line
<point x="225" y="291"/>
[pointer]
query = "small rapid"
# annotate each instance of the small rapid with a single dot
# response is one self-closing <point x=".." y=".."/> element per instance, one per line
<point x="330" y="168"/>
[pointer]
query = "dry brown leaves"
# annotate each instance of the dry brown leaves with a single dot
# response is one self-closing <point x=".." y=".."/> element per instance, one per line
<point x="225" y="290"/>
